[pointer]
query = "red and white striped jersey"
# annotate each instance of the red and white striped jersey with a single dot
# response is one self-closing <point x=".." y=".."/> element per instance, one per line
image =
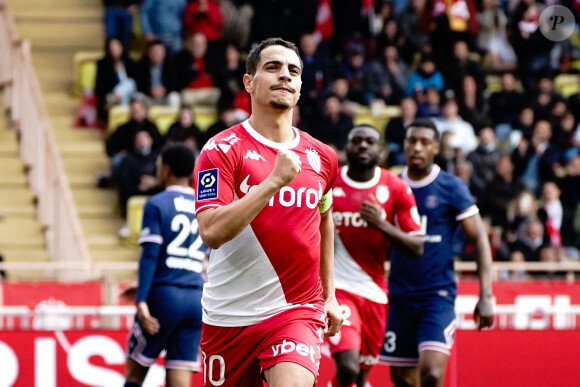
<point x="273" y="264"/>
<point x="360" y="250"/>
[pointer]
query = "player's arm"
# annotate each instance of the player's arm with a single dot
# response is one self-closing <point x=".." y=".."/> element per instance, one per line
<point x="475" y="231"/>
<point x="372" y="212"/>
<point x="150" y="250"/>
<point x="331" y="307"/>
<point x="147" y="263"/>
<point x="220" y="225"/>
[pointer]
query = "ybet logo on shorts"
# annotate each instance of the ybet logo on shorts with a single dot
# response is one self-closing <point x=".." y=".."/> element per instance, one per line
<point x="207" y="184"/>
<point x="290" y="346"/>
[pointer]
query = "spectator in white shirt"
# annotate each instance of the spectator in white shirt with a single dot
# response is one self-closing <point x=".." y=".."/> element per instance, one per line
<point x="452" y="122"/>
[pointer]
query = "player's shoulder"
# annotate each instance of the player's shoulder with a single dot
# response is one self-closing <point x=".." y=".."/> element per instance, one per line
<point x="324" y="150"/>
<point x="391" y="179"/>
<point x="388" y="175"/>
<point x="226" y="140"/>
<point x="171" y="192"/>
<point x="449" y="179"/>
<point x="155" y="202"/>
<point x="158" y="198"/>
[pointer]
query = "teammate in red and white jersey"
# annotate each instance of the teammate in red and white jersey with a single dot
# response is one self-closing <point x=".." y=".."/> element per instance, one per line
<point x="263" y="203"/>
<point x="373" y="209"/>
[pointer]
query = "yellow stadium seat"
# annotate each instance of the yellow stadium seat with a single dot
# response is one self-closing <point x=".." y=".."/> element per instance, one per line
<point x="567" y="84"/>
<point x="204" y="116"/>
<point x="135" y="207"/>
<point x="85" y="70"/>
<point x="163" y="116"/>
<point x="575" y="65"/>
<point x="365" y="118"/>
<point x="364" y="115"/>
<point x="493" y="83"/>
<point x="118" y="115"/>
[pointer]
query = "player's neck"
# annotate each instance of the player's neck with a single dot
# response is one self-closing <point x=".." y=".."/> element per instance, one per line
<point x="419" y="174"/>
<point x="180" y="181"/>
<point x="360" y="174"/>
<point x="275" y="125"/>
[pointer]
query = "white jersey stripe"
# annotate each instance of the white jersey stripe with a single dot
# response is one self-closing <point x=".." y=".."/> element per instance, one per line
<point x="151" y="238"/>
<point x="206" y="207"/>
<point x="244" y="293"/>
<point x="470" y="211"/>
<point x="349" y="276"/>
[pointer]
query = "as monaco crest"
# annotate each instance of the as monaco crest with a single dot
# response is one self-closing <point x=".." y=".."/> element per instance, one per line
<point x="313" y="159"/>
<point x="382" y="194"/>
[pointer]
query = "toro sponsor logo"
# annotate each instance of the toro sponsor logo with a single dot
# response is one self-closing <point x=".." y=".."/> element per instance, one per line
<point x="288" y="196"/>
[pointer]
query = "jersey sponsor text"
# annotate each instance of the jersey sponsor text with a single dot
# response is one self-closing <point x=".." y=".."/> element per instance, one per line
<point x="289" y="346"/>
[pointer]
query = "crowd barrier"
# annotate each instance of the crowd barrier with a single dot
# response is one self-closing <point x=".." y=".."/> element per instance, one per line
<point x="99" y="270"/>
<point x="55" y="334"/>
<point x="50" y="358"/>
<point x="48" y="182"/>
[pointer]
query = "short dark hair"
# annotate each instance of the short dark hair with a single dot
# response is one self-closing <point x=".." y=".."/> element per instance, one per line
<point x="362" y="126"/>
<point x="180" y="159"/>
<point x="255" y="54"/>
<point x="154" y="42"/>
<point x="424" y="123"/>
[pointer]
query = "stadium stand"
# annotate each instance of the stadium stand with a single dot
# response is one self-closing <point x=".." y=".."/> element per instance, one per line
<point x="21" y="234"/>
<point x="65" y="65"/>
<point x="50" y="29"/>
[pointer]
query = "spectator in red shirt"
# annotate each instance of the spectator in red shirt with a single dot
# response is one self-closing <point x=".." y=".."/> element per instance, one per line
<point x="193" y="72"/>
<point x="203" y="16"/>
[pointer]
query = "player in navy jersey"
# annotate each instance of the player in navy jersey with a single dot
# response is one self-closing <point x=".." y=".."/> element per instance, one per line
<point x="170" y="277"/>
<point x="421" y="316"/>
<point x="373" y="209"/>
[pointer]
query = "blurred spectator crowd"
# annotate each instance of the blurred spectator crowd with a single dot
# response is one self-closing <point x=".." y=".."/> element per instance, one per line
<point x="481" y="69"/>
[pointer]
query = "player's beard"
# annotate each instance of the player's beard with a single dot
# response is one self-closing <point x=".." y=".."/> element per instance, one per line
<point x="280" y="105"/>
<point x="356" y="163"/>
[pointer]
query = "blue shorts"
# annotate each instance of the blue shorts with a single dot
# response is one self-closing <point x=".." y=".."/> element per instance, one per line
<point x="417" y="324"/>
<point x="178" y="310"/>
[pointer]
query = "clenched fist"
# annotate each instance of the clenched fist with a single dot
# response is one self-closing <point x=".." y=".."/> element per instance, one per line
<point x="286" y="167"/>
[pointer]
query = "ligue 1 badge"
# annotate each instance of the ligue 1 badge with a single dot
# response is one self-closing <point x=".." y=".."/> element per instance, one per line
<point x="313" y="159"/>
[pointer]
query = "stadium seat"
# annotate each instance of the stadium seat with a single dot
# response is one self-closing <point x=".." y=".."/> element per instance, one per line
<point x="118" y="115"/>
<point x="135" y="207"/>
<point x="204" y="116"/>
<point x="493" y="83"/>
<point x="567" y="84"/>
<point x="575" y="65"/>
<point x="85" y="70"/>
<point x="380" y="121"/>
<point x="163" y="116"/>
